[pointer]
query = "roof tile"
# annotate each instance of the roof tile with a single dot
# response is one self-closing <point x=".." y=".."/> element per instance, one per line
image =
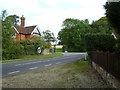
<point x="25" y="30"/>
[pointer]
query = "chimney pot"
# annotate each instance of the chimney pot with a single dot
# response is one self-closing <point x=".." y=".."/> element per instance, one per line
<point x="22" y="21"/>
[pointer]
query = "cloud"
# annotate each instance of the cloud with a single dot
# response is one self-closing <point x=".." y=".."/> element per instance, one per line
<point x="49" y="14"/>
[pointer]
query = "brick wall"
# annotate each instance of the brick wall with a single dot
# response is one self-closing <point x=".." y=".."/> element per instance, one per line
<point x="20" y="37"/>
<point x="23" y="37"/>
<point x="28" y="36"/>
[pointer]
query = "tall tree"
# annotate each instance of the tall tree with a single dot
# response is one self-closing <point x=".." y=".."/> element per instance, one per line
<point x="49" y="36"/>
<point x="102" y="26"/>
<point x="72" y="33"/>
<point x="6" y="31"/>
<point x="13" y="19"/>
<point x="113" y="14"/>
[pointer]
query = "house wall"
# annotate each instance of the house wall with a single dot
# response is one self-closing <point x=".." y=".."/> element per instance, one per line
<point x="28" y="36"/>
<point x="23" y="37"/>
<point x="20" y="37"/>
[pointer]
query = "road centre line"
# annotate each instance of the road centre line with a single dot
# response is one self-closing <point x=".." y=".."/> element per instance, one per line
<point x="58" y="62"/>
<point x="13" y="72"/>
<point x="48" y="65"/>
<point x="30" y="63"/>
<point x="33" y="68"/>
<point x="18" y="64"/>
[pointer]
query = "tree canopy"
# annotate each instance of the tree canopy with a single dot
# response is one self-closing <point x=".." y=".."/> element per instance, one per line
<point x="49" y="36"/>
<point x="113" y="14"/>
<point x="101" y="26"/>
<point x="72" y="33"/>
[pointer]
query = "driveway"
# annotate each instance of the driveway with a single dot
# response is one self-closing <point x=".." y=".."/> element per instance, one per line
<point x="14" y="68"/>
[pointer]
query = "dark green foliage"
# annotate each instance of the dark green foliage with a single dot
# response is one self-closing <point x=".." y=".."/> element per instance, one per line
<point x="101" y="26"/>
<point x="10" y="49"/>
<point x="113" y="14"/>
<point x="99" y="42"/>
<point x="30" y="50"/>
<point x="49" y="36"/>
<point x="75" y="50"/>
<point x="117" y="48"/>
<point x="13" y="52"/>
<point x="31" y="45"/>
<point x="72" y="34"/>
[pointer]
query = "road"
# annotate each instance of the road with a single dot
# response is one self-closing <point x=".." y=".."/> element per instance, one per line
<point x="14" y="68"/>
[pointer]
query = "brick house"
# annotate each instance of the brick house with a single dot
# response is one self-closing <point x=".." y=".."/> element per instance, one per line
<point x="23" y="32"/>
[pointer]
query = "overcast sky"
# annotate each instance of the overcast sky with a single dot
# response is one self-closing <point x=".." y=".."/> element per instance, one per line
<point x="49" y="14"/>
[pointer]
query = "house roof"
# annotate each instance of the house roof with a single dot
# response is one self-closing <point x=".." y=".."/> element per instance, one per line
<point x="25" y="30"/>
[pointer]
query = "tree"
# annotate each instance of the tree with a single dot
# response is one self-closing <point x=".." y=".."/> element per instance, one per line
<point x="10" y="48"/>
<point x="49" y="36"/>
<point x="7" y="30"/>
<point x="113" y="14"/>
<point x="72" y="33"/>
<point x="13" y="19"/>
<point x="101" y="26"/>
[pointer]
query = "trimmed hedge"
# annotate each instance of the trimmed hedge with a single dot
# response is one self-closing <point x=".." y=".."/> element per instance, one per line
<point x="13" y="52"/>
<point x="24" y="47"/>
<point x="99" y="42"/>
<point x="30" y="49"/>
<point x="117" y="48"/>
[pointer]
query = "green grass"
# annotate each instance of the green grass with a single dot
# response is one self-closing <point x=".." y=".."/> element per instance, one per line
<point x="59" y="50"/>
<point x="79" y="65"/>
<point x="32" y="57"/>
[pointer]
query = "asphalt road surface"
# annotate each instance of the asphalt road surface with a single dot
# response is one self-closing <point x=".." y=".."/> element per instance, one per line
<point x="14" y="68"/>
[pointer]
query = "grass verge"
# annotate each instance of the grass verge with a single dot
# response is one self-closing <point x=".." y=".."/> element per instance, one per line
<point x="32" y="57"/>
<point x="79" y="65"/>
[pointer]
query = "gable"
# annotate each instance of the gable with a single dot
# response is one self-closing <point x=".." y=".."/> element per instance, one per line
<point x="24" y="30"/>
<point x="36" y="31"/>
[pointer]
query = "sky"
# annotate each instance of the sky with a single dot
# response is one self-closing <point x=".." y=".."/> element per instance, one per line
<point x="49" y="14"/>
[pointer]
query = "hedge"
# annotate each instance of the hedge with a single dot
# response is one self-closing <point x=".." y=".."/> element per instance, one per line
<point x="100" y="42"/>
<point x="13" y="52"/>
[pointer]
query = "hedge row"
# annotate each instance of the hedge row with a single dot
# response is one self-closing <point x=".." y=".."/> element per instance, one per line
<point x="100" y="42"/>
<point x="24" y="47"/>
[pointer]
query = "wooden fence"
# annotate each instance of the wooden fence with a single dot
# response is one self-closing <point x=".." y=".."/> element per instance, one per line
<point x="109" y="62"/>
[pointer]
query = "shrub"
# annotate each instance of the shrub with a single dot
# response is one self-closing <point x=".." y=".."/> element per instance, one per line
<point x="13" y="52"/>
<point x="117" y="48"/>
<point x="99" y="42"/>
<point x="30" y="49"/>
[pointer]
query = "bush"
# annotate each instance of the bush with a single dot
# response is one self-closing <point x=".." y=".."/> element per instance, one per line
<point x="30" y="50"/>
<point x="99" y="42"/>
<point x="74" y="50"/>
<point x="13" y="53"/>
<point x="117" y="48"/>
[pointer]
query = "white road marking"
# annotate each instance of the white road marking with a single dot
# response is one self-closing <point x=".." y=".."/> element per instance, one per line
<point x="46" y="61"/>
<point x="58" y="62"/>
<point x="13" y="72"/>
<point x="18" y="64"/>
<point x="48" y="65"/>
<point x="39" y="61"/>
<point x="33" y="68"/>
<point x="27" y="63"/>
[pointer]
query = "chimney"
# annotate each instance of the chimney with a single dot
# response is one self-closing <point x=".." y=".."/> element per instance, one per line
<point x="22" y="21"/>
